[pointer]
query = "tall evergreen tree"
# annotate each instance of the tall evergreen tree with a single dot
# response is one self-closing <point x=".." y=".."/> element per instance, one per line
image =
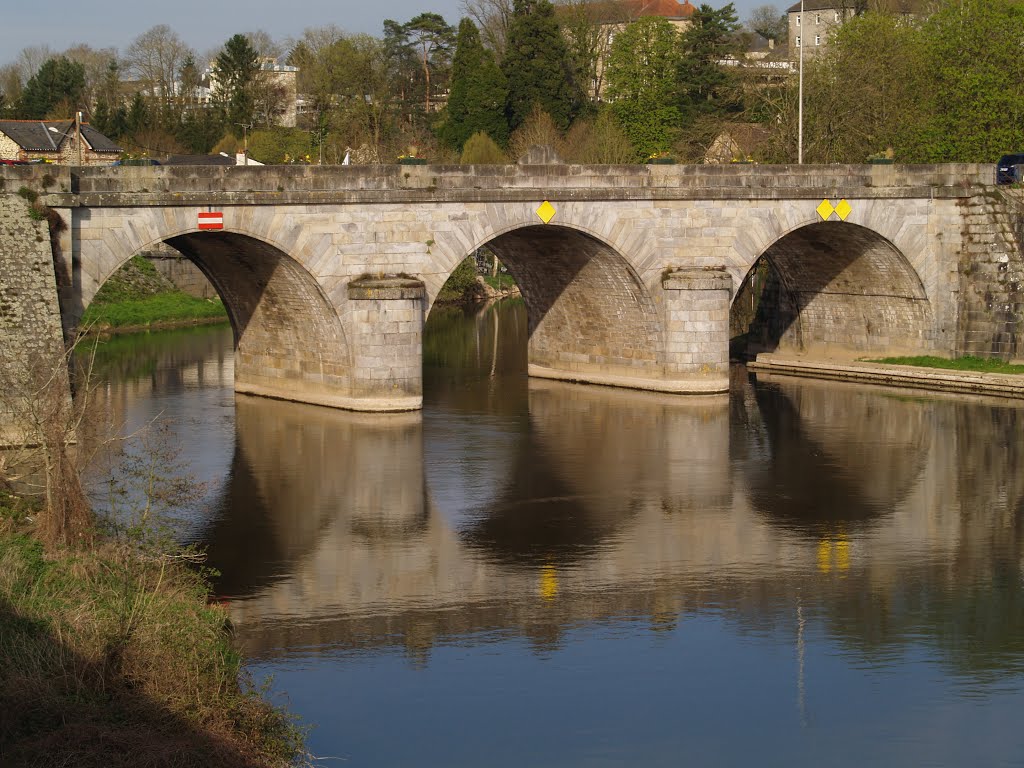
<point x="59" y="81"/>
<point x="706" y="87"/>
<point x="237" y="68"/>
<point x="538" y="66"/>
<point x="478" y="93"/>
<point x="432" y="37"/>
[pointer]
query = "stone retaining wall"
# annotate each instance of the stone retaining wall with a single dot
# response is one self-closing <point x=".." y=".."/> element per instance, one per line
<point x="991" y="269"/>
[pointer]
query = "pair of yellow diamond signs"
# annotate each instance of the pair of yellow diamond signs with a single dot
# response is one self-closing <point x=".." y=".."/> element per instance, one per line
<point x="825" y="209"/>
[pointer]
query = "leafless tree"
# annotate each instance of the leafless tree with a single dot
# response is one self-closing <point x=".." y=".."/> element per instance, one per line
<point x="492" y="18"/>
<point x="155" y="58"/>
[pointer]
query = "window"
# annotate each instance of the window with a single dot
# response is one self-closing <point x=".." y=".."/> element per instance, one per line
<point x="798" y="41"/>
<point x="817" y="39"/>
<point x="798" y="21"/>
<point x="837" y="16"/>
<point x="817" y="18"/>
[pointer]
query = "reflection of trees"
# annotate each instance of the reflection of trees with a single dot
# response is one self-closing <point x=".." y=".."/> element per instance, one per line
<point x="466" y="345"/>
<point x="134" y="356"/>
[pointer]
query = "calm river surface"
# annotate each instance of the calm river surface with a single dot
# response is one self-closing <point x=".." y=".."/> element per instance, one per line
<point x="534" y="574"/>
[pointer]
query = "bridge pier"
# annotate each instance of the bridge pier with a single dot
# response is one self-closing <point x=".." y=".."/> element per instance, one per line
<point x="387" y="343"/>
<point x="697" y="302"/>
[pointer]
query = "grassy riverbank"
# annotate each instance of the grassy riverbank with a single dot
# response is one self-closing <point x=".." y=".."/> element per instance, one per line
<point x="112" y="655"/>
<point x="138" y="297"/>
<point x="972" y="364"/>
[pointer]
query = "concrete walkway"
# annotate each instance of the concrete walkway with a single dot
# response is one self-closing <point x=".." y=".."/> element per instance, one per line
<point x="943" y="380"/>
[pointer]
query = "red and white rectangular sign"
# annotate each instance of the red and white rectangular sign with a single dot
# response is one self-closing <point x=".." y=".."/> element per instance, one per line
<point x="211" y="220"/>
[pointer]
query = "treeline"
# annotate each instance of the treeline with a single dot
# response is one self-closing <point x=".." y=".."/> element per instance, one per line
<point x="590" y="78"/>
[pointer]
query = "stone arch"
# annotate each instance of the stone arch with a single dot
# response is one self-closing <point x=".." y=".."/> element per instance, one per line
<point x="837" y="288"/>
<point x="289" y="339"/>
<point x="590" y="316"/>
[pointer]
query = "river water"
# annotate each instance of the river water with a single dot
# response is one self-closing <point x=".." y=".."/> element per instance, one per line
<point x="535" y="574"/>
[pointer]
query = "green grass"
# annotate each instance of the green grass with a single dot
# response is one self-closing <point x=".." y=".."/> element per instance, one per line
<point x="974" y="364"/>
<point x="500" y="282"/>
<point x="109" y="657"/>
<point x="168" y="307"/>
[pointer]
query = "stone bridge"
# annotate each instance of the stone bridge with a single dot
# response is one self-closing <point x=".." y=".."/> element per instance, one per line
<point x="328" y="273"/>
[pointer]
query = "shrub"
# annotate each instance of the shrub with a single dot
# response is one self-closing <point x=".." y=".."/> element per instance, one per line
<point x="481" y="149"/>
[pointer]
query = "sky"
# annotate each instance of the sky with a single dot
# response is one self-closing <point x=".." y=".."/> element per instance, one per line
<point x="206" y="25"/>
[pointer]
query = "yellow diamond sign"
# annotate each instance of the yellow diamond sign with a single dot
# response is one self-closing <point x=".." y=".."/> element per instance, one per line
<point x="546" y="211"/>
<point x="825" y="209"/>
<point x="843" y="209"/>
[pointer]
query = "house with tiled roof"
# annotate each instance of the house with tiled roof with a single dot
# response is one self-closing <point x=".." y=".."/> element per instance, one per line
<point x="677" y="13"/>
<point x="612" y="16"/>
<point x="56" y="141"/>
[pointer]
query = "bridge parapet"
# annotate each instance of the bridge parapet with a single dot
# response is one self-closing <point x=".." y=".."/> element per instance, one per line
<point x="277" y="185"/>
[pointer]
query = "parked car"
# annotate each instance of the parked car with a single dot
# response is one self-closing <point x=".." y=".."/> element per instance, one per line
<point x="1008" y="168"/>
<point x="12" y="162"/>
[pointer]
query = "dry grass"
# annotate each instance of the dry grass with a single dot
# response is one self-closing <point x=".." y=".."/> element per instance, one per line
<point x="110" y="658"/>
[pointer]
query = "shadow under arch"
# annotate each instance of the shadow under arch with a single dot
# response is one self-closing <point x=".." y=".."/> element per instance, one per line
<point x="289" y="340"/>
<point x="832" y="287"/>
<point x="587" y="310"/>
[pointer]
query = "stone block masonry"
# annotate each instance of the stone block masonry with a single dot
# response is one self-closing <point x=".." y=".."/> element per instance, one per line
<point x="387" y="339"/>
<point x="697" y="302"/>
<point x="630" y="284"/>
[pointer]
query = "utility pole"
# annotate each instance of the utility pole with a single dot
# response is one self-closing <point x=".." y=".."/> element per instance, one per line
<point x="800" y="97"/>
<point x="78" y="134"/>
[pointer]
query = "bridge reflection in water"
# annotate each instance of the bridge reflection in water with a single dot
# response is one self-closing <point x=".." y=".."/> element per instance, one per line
<point x="834" y="569"/>
<point x="890" y="519"/>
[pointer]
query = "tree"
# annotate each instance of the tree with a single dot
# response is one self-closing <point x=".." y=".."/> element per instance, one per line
<point x="642" y="71"/>
<point x="492" y="19"/>
<point x="11" y="86"/>
<point x="864" y="96"/>
<point x="58" y="83"/>
<point x="586" y="25"/>
<point x="705" y="86"/>
<point x="96" y="66"/>
<point x="155" y="58"/>
<point x="538" y="68"/>
<point x="478" y="93"/>
<point x="769" y="23"/>
<point x="537" y="130"/>
<point x="349" y="83"/>
<point x="947" y="89"/>
<point x="237" y="67"/>
<point x="599" y="141"/>
<point x="110" y="117"/>
<point x="433" y="38"/>
<point x="975" y="104"/>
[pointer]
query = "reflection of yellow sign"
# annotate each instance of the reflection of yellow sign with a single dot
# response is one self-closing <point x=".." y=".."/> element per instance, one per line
<point x="834" y="553"/>
<point x="842" y="209"/>
<point x="546" y="211"/>
<point x="548" y="587"/>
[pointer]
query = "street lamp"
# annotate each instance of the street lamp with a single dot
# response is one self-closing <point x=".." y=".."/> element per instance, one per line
<point x="245" y="136"/>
